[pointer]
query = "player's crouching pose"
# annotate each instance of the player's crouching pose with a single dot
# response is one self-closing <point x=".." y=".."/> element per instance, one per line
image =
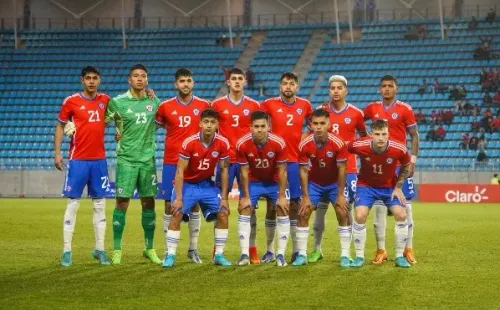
<point x="262" y="159"/>
<point x="323" y="163"/>
<point x="198" y="157"/>
<point x="379" y="157"/>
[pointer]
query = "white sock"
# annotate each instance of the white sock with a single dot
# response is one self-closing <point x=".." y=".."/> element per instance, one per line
<point x="194" y="230"/>
<point x="270" y="232"/>
<point x="345" y="233"/>
<point x="99" y="221"/>
<point x="283" y="229"/>
<point x="166" y="222"/>
<point x="401" y="233"/>
<point x="244" y="233"/>
<point x="69" y="222"/>
<point x="380" y="223"/>
<point x="302" y="236"/>
<point x="293" y="234"/>
<point x="359" y="236"/>
<point x="220" y="240"/>
<point x="411" y="225"/>
<point x="172" y="241"/>
<point x="319" y="224"/>
<point x="253" y="229"/>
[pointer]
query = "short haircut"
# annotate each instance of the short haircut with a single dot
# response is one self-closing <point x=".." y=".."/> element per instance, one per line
<point x="236" y="71"/>
<point x="138" y="67"/>
<point x="495" y="175"/>
<point x="337" y="78"/>
<point x="379" y="124"/>
<point x="89" y="69"/>
<point x="388" y="78"/>
<point x="320" y="113"/>
<point x="289" y="75"/>
<point x="182" y="72"/>
<point x="257" y="115"/>
<point x="209" y="113"/>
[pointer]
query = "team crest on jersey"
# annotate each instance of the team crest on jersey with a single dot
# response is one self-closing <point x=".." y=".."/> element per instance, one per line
<point x="270" y="154"/>
<point x="215" y="154"/>
<point x="347" y="120"/>
<point x="149" y="107"/>
<point x="329" y="154"/>
<point x="101" y="105"/>
<point x="196" y="111"/>
<point x="299" y="111"/>
<point x="394" y="115"/>
<point x="389" y="160"/>
<point x="367" y="158"/>
<point x="250" y="155"/>
<point x="246" y="112"/>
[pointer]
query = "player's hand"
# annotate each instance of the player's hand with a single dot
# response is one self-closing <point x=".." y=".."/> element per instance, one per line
<point x="150" y="93"/>
<point x="176" y="207"/>
<point x="398" y="193"/>
<point x="412" y="170"/>
<point x="117" y="137"/>
<point x="283" y="203"/>
<point x="305" y="206"/>
<point x="225" y="205"/>
<point x="59" y="162"/>
<point x="244" y="203"/>
<point x="342" y="203"/>
<point x="69" y="129"/>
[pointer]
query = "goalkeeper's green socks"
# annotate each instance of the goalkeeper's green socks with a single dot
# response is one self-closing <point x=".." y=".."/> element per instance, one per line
<point x="149" y="225"/>
<point x="118" y="227"/>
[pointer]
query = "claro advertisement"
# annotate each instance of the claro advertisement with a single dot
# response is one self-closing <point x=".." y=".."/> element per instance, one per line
<point x="466" y="193"/>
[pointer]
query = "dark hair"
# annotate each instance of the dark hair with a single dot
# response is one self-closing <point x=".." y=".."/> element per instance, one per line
<point x="89" y="69"/>
<point x="256" y="115"/>
<point x="182" y="72"/>
<point x="320" y="113"/>
<point x="236" y="71"/>
<point x="379" y="124"/>
<point x="290" y="76"/>
<point x="495" y="175"/>
<point x="388" y="78"/>
<point x="137" y="67"/>
<point x="209" y="113"/>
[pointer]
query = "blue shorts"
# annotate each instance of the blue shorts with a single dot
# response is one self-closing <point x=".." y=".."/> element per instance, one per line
<point x="366" y="196"/>
<point x="319" y="193"/>
<point x="260" y="189"/>
<point x="90" y="173"/>
<point x="167" y="181"/>
<point x="350" y="186"/>
<point x="292" y="170"/>
<point x="204" y="193"/>
<point x="408" y="187"/>
<point x="234" y="173"/>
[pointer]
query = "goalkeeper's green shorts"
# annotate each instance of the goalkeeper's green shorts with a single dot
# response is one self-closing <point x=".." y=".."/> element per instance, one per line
<point x="141" y="176"/>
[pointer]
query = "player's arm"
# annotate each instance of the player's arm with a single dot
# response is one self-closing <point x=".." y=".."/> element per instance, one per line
<point x="305" y="203"/>
<point x="58" y="137"/>
<point x="361" y="126"/>
<point x="415" y="144"/>
<point x="112" y="114"/>
<point x="244" y="186"/>
<point x="282" y="182"/>
<point x="404" y="159"/>
<point x="341" y="156"/>
<point x="179" y="183"/>
<point x="224" y="176"/>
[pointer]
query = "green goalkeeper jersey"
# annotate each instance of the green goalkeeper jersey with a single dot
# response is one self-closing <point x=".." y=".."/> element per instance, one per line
<point x="135" y="122"/>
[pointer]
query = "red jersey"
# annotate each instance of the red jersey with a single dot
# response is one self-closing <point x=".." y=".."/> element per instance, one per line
<point x="323" y="160"/>
<point x="379" y="169"/>
<point x="234" y="119"/>
<point x="203" y="159"/>
<point x="345" y="123"/>
<point x="88" y="115"/>
<point x="399" y="115"/>
<point x="262" y="160"/>
<point x="181" y="121"/>
<point x="287" y="121"/>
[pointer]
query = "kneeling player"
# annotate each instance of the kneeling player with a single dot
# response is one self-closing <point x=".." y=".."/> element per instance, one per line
<point x="262" y="160"/>
<point x="324" y="179"/>
<point x="379" y="157"/>
<point x="198" y="157"/>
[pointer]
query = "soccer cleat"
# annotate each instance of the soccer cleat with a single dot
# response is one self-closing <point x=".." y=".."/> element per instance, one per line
<point x="151" y="255"/>
<point x="402" y="262"/>
<point x="315" y="256"/>
<point x="294" y="256"/>
<point x="410" y="256"/>
<point x="345" y="262"/>
<point x="358" y="262"/>
<point x="194" y="256"/>
<point x="220" y="260"/>
<point x="244" y="260"/>
<point x="380" y="257"/>
<point x="268" y="257"/>
<point x="254" y="256"/>
<point x="101" y="257"/>
<point x="280" y="260"/>
<point x="300" y="260"/>
<point x="168" y="261"/>
<point x="116" y="259"/>
<point x="66" y="259"/>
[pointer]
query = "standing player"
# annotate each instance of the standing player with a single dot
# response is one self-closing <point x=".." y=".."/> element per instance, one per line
<point x="134" y="116"/>
<point x="198" y="157"/>
<point x="180" y="116"/>
<point x="401" y="121"/>
<point x="83" y="113"/>
<point x="345" y="120"/>
<point x="377" y="180"/>
<point x="234" y="112"/>
<point x="262" y="160"/>
<point x="322" y="157"/>
<point x="288" y="114"/>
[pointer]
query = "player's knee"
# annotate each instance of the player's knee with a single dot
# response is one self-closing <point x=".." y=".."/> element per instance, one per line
<point x="148" y="203"/>
<point x="73" y="204"/>
<point x="196" y="208"/>
<point x="281" y="211"/>
<point x="270" y="212"/>
<point x="222" y="217"/>
<point x="399" y="213"/>
<point x="244" y="210"/>
<point x="122" y="203"/>
<point x="168" y="205"/>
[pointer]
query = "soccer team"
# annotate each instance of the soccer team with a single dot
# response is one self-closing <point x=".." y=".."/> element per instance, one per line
<point x="209" y="145"/>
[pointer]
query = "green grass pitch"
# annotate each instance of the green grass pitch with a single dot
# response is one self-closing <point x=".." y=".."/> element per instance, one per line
<point x="457" y="248"/>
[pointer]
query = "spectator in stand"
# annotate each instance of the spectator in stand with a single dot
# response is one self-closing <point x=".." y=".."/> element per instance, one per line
<point x="431" y="134"/>
<point x="440" y="134"/>
<point x="472" y="24"/>
<point x="250" y="79"/>
<point x="459" y="107"/>
<point x="448" y="117"/>
<point x="491" y="74"/>
<point x="485" y="123"/>
<point x="412" y="33"/>
<point x="485" y="86"/>
<point x="495" y="124"/>
<point x="464" y="145"/>
<point x="477" y="110"/>
<point x="474" y="126"/>
<point x="454" y="93"/>
<point x="435" y="86"/>
<point x="488" y="113"/>
<point x="495" y="180"/>
<point x="496" y="99"/>
<point x="463" y="92"/>
<point x="422" y="88"/>
<point x="262" y="89"/>
<point x="482" y="134"/>
<point x="490" y="18"/>
<point x="487" y="99"/>
<point x="468" y="108"/>
<point x="435" y="117"/>
<point x="483" y="76"/>
<point x="473" y="143"/>
<point x="422" y="31"/>
<point x="420" y="117"/>
<point x="482" y="157"/>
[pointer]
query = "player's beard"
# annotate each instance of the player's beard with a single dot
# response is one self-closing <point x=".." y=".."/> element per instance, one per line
<point x="288" y="96"/>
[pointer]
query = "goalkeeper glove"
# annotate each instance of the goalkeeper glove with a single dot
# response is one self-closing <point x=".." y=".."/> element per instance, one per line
<point x="69" y="129"/>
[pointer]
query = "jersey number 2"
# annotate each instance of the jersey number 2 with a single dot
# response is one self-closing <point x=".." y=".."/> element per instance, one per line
<point x="289" y="121"/>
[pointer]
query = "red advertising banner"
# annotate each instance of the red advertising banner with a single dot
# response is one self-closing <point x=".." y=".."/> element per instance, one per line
<point x="465" y="193"/>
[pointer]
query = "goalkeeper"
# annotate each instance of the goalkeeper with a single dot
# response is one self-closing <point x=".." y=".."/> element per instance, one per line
<point x="134" y="116"/>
